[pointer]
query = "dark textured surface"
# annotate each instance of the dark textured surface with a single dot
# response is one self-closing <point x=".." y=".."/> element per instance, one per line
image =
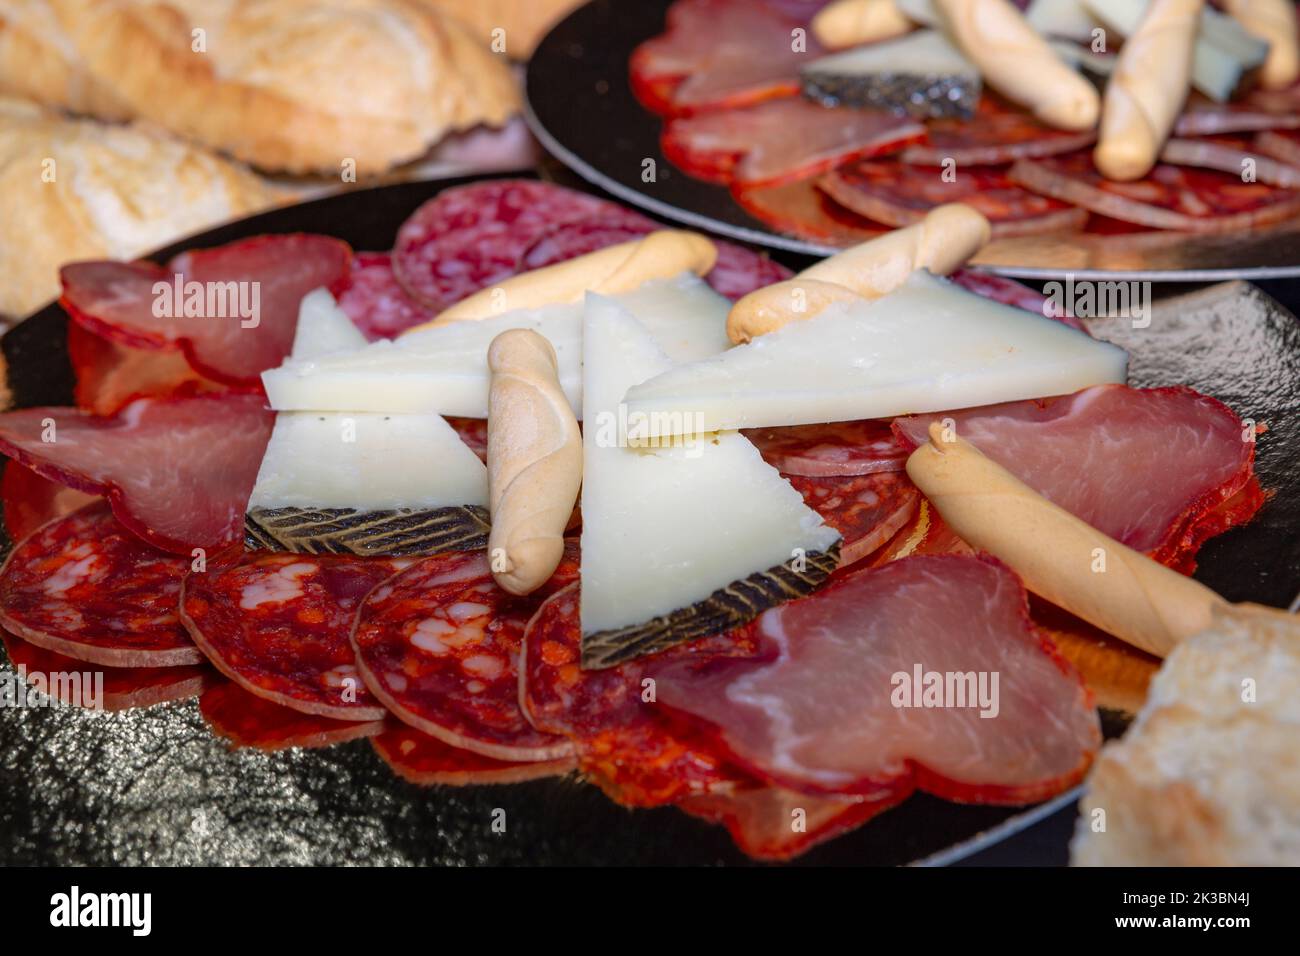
<point x="155" y="786"/>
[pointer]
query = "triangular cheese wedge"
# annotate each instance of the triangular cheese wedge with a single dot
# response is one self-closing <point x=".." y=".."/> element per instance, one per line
<point x="677" y="542"/>
<point x="928" y="346"/>
<point x="363" y="482"/>
<point x="444" y="369"/>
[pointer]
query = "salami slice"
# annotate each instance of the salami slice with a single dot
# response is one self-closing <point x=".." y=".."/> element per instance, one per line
<point x="836" y="449"/>
<point x="278" y="625"/>
<point x="626" y="744"/>
<point x="467" y="238"/>
<point x="1170" y="197"/>
<point x="1204" y="117"/>
<point x="997" y="134"/>
<point x="1230" y="156"/>
<point x="801" y="209"/>
<point x="427" y="761"/>
<point x="1010" y="292"/>
<point x="31" y="501"/>
<point x="86" y="587"/>
<point x="374" y="300"/>
<point x="246" y="720"/>
<point x="867" y="510"/>
<point x="237" y="307"/>
<point x="1283" y="146"/>
<point x="103" y="688"/>
<point x="899" y="195"/>
<point x="177" y="471"/>
<point x="111" y="376"/>
<point x="737" y="272"/>
<point x="439" y="646"/>
<point x="781" y="140"/>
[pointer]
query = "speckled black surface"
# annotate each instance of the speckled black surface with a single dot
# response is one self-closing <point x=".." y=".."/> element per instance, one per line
<point x="156" y="787"/>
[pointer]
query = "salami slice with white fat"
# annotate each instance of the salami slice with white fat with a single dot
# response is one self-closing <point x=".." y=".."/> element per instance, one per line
<point x="374" y="300"/>
<point x="438" y="644"/>
<point x="899" y="195"/>
<point x="85" y="586"/>
<point x="237" y="309"/>
<point x="428" y="761"/>
<point x="1010" y="292"/>
<point x="867" y="509"/>
<point x="177" y="471"/>
<point x="803" y="210"/>
<point x="278" y="625"/>
<point x="245" y="720"/>
<point x="837" y="699"/>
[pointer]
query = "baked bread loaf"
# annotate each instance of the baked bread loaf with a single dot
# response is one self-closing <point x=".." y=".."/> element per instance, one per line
<point x="525" y="22"/>
<point x="1209" y="773"/>
<point x="78" y="189"/>
<point x="297" y="86"/>
<point x="39" y="62"/>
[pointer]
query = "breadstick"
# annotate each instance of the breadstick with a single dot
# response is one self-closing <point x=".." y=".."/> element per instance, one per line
<point x="846" y="23"/>
<point x="1146" y="92"/>
<point x="1058" y="556"/>
<point x="1274" y="21"/>
<point x="1020" y="64"/>
<point x="615" y="269"/>
<point x="941" y="242"/>
<point x="534" y="461"/>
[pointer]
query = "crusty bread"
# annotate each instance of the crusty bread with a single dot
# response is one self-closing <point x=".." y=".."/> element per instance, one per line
<point x="525" y="22"/>
<point x="116" y="192"/>
<point x="1205" y="777"/>
<point x="298" y="86"/>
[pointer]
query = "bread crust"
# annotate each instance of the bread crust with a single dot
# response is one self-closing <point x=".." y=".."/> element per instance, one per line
<point x="38" y="62"/>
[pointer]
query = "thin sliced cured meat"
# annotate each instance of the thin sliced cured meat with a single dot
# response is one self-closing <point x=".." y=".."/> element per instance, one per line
<point x="439" y="646"/>
<point x="278" y="625"/>
<point x="997" y="134"/>
<point x="867" y="510"/>
<point x="111" y="376"/>
<point x="427" y="761"/>
<point x="1010" y="292"/>
<point x="246" y="720"/>
<point x="771" y="823"/>
<point x="1283" y="146"/>
<point x="781" y="140"/>
<point x="886" y="679"/>
<point x="84" y="586"/>
<point x="899" y="195"/>
<point x="1095" y="453"/>
<point x="717" y="54"/>
<point x="626" y="744"/>
<point x="177" y="471"/>
<point x="70" y="681"/>
<point x="738" y="271"/>
<point x="801" y="209"/>
<point x="473" y="432"/>
<point x="31" y="501"/>
<point x="374" y="300"/>
<point x="469" y="237"/>
<point x="1169" y="197"/>
<point x="839" y="448"/>
<point x="237" y="309"/>
<point x="1203" y="117"/>
<point x="1230" y="156"/>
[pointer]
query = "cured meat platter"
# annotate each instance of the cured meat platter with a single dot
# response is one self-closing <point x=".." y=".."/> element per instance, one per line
<point x="236" y="777"/>
<point x="595" y="102"/>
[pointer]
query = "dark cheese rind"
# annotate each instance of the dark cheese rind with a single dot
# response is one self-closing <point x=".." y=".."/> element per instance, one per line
<point x="737" y="604"/>
<point x="392" y="533"/>
<point x="922" y="96"/>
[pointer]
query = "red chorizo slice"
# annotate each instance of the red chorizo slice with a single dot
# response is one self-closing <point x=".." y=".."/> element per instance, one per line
<point x="427" y="761"/>
<point x="867" y="510"/>
<point x="246" y="720"/>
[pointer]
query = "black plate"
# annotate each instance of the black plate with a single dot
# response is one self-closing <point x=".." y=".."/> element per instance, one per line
<point x="155" y="786"/>
<point x="580" y="105"/>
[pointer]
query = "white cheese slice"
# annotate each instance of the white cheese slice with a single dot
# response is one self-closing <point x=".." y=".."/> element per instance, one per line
<point x="444" y="369"/>
<point x="323" y="328"/>
<point x="928" y="346"/>
<point x="665" y="528"/>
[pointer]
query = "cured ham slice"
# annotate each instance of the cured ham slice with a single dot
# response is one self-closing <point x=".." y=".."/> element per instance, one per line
<point x="246" y="720"/>
<point x="84" y="586"/>
<point x="839" y="448"/>
<point x="111" y="376"/>
<point x="867" y="510"/>
<point x="781" y="140"/>
<point x="841" y="697"/>
<point x="1095" y="453"/>
<point x="1230" y="156"/>
<point x="177" y="472"/>
<point x="996" y="134"/>
<point x="899" y="195"/>
<point x="438" y="644"/>
<point x="243" y="319"/>
<point x="717" y="54"/>
<point x="374" y="300"/>
<point x="803" y="210"/>
<point x="1283" y="146"/>
<point x="427" y="761"/>
<point x="278" y="625"/>
<point x="1170" y="197"/>
<point x="625" y="744"/>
